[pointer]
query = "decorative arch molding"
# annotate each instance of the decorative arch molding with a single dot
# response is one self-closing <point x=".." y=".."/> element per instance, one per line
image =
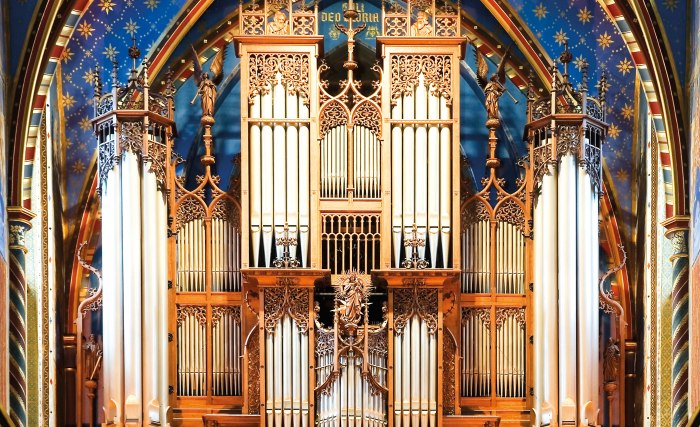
<point x="643" y="39"/>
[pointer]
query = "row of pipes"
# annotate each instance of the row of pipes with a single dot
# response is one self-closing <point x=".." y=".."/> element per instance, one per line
<point x="476" y="258"/>
<point x="279" y="172"/>
<point x="421" y="185"/>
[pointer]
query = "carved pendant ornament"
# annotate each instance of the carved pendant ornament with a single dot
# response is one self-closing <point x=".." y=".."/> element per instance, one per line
<point x="416" y="301"/>
<point x="286" y="299"/>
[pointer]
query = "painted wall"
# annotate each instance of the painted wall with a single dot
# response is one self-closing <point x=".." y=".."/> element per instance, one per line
<point x="694" y="147"/>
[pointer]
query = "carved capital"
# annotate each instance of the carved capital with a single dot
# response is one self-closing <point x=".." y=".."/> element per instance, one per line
<point x="19" y="222"/>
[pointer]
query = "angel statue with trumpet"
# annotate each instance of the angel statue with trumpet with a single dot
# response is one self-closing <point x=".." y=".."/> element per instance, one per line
<point x="206" y="84"/>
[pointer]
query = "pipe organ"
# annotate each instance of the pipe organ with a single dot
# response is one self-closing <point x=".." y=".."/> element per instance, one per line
<point x="134" y="128"/>
<point x="566" y="132"/>
<point x="351" y="279"/>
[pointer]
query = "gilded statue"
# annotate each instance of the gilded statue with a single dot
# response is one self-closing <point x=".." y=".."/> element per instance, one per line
<point x="421" y="28"/>
<point x="279" y="25"/>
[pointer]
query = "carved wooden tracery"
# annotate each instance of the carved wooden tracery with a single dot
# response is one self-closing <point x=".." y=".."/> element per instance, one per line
<point x="292" y="69"/>
<point x="286" y="299"/>
<point x="436" y="71"/>
<point x="418" y="301"/>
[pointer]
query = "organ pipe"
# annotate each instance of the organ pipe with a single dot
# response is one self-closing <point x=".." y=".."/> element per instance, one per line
<point x="279" y="171"/>
<point x="421" y="177"/>
<point x="565" y="162"/>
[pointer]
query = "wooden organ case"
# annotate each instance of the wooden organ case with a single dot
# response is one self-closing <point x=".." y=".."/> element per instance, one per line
<point x="348" y="276"/>
<point x="351" y="280"/>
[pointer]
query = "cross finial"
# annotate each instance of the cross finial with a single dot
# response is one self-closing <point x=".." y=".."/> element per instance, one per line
<point x="287" y="261"/>
<point x="415" y="242"/>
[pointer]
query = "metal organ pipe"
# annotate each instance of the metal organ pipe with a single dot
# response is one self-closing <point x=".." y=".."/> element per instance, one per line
<point x="415" y="375"/>
<point x="566" y="258"/>
<point x="476" y="265"/>
<point x="421" y="174"/>
<point x="397" y="184"/>
<point x="279" y="172"/>
<point x="286" y="374"/>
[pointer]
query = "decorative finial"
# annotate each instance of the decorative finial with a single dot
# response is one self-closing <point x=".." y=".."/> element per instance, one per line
<point x="414" y="243"/>
<point x="602" y="86"/>
<point x="115" y="73"/>
<point x="584" y="78"/>
<point x="97" y="82"/>
<point x="531" y="86"/>
<point x="287" y="260"/>
<point x="134" y="51"/>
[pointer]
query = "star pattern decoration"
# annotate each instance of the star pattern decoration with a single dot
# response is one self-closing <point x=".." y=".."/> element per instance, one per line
<point x="89" y="76"/>
<point x="561" y="37"/>
<point x="604" y="40"/>
<point x="111" y="52"/>
<point x="622" y="175"/>
<point x="66" y="55"/>
<point x="85" y="123"/>
<point x="584" y="15"/>
<point x="78" y="166"/>
<point x="540" y="11"/>
<point x="151" y="4"/>
<point x="580" y="62"/>
<point x="613" y="131"/>
<point x="625" y="66"/>
<point x="131" y="27"/>
<point x="627" y="111"/>
<point x="670" y="4"/>
<point x="85" y="29"/>
<point x="106" y="6"/>
<point x="68" y="101"/>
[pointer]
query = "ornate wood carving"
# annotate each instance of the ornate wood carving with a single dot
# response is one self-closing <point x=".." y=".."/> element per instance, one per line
<point x="436" y="71"/>
<point x="189" y="209"/>
<point x="217" y="312"/>
<point x="286" y="299"/>
<point x="184" y="311"/>
<point x="253" y="351"/>
<point x="482" y="313"/>
<point x="511" y="212"/>
<point x="421" y="18"/>
<point x="568" y="140"/>
<point x="449" y="373"/>
<point x="131" y="137"/>
<point x="293" y="69"/>
<point x="416" y="300"/>
<point x="503" y="313"/>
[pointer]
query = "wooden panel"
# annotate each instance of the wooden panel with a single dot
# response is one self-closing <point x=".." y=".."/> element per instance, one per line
<point x="221" y="420"/>
<point x="471" y="421"/>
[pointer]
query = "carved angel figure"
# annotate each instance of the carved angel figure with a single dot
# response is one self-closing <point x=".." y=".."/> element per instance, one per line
<point x="421" y="27"/>
<point x="493" y="87"/>
<point x="206" y="85"/>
